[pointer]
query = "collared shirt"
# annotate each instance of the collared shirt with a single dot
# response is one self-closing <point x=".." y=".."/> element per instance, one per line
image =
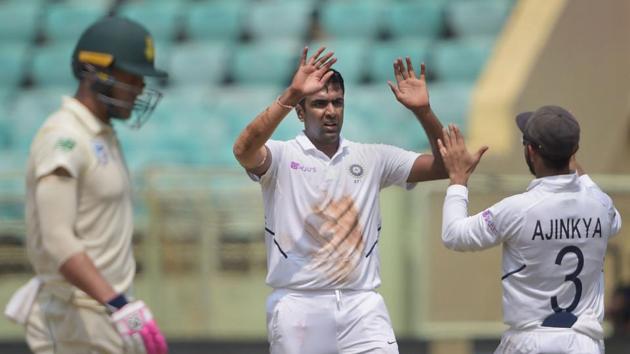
<point x="75" y="140"/>
<point x="322" y="216"/>
<point x="554" y="240"/>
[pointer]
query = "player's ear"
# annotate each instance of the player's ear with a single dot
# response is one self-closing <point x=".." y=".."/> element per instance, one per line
<point x="299" y="110"/>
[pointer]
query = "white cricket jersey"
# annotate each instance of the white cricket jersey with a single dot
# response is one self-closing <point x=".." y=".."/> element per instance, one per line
<point x="322" y="215"/>
<point x="554" y="241"/>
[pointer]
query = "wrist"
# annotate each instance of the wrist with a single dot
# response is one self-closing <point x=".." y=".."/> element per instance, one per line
<point x="421" y="111"/>
<point x="462" y="180"/>
<point x="290" y="97"/>
<point x="118" y="302"/>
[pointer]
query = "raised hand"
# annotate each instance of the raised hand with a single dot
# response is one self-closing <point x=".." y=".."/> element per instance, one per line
<point x="459" y="162"/>
<point x="312" y="73"/>
<point x="410" y="90"/>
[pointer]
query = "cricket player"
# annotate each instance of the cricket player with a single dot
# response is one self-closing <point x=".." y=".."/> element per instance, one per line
<point x="78" y="206"/>
<point x="322" y="216"/>
<point x="554" y="237"/>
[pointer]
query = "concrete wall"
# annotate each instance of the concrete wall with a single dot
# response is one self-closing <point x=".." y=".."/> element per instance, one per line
<point x="573" y="53"/>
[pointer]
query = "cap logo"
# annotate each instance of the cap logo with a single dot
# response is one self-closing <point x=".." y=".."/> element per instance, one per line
<point x="96" y="58"/>
<point x="149" y="50"/>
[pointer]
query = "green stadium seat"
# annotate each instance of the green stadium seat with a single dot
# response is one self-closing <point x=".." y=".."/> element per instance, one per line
<point x="414" y="19"/>
<point x="52" y="65"/>
<point x="351" y="53"/>
<point x="29" y="110"/>
<point x="354" y="18"/>
<point x="198" y="63"/>
<point x="460" y="59"/>
<point x="221" y="19"/>
<point x="451" y="102"/>
<point x="375" y="116"/>
<point x="12" y="161"/>
<point x="265" y="62"/>
<point x="279" y="19"/>
<point x="66" y="21"/>
<point x="477" y="17"/>
<point x="160" y="18"/>
<point x="13" y="60"/>
<point x="18" y="20"/>
<point x="382" y="55"/>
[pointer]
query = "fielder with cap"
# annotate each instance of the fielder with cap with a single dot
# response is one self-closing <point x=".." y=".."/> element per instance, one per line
<point x="554" y="237"/>
<point x="79" y="209"/>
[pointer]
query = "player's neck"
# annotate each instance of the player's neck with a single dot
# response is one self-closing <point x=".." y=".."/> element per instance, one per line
<point x="329" y="149"/>
<point x="545" y="172"/>
<point x="89" y="100"/>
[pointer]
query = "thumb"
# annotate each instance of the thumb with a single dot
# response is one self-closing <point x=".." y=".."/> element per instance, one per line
<point x="480" y="153"/>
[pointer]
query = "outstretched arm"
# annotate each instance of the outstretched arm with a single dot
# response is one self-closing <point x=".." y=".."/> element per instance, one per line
<point x="459" y="162"/>
<point x="412" y="92"/>
<point x="310" y="77"/>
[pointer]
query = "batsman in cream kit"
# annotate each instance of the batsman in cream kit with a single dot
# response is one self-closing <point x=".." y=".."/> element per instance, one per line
<point x="79" y="213"/>
<point x="322" y="215"/>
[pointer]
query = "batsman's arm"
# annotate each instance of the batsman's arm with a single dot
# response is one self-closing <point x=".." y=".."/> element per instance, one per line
<point x="56" y="197"/>
<point x="311" y="76"/>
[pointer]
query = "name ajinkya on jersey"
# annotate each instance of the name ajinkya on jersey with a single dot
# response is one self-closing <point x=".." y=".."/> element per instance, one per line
<point x="568" y="228"/>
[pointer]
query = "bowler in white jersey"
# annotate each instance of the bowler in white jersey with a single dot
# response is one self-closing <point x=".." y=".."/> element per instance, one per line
<point x="322" y="217"/>
<point x="554" y="237"/>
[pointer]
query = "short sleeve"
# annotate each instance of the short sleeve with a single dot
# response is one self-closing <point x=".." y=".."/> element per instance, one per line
<point x="57" y="149"/>
<point x="396" y="165"/>
<point x="276" y="149"/>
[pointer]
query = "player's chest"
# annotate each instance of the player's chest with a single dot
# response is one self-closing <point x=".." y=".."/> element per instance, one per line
<point x="348" y="175"/>
<point x="107" y="176"/>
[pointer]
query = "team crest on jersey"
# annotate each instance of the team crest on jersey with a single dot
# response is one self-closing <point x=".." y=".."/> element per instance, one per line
<point x="356" y="170"/>
<point x="101" y="152"/>
<point x="65" y="144"/>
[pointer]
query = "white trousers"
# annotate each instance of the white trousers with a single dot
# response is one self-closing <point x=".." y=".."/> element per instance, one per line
<point x="329" y="322"/>
<point x="548" y="341"/>
<point x="57" y="326"/>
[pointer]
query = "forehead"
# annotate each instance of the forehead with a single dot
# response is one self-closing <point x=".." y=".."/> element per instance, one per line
<point x="329" y="92"/>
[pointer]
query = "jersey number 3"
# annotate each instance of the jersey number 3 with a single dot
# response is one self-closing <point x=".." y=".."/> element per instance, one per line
<point x="570" y="277"/>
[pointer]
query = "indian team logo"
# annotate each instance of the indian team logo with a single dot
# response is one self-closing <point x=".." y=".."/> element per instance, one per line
<point x="356" y="170"/>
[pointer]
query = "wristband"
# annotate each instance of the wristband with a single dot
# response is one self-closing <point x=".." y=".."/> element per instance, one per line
<point x="118" y="302"/>
<point x="282" y="104"/>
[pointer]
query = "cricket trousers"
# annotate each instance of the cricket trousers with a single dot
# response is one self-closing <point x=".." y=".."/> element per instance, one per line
<point x="548" y="341"/>
<point x="329" y="322"/>
<point x="70" y="326"/>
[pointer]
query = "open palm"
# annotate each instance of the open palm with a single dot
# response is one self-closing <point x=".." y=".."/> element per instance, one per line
<point x="313" y="73"/>
<point x="410" y="90"/>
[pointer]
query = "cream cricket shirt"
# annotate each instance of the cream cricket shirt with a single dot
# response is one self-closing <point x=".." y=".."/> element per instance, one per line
<point x="554" y="239"/>
<point x="72" y="138"/>
<point x="322" y="216"/>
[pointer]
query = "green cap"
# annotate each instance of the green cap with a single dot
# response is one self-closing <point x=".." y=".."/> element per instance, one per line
<point x="120" y="43"/>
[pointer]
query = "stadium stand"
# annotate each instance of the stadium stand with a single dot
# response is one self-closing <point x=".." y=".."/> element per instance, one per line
<point x="19" y="20"/>
<point x="222" y="20"/>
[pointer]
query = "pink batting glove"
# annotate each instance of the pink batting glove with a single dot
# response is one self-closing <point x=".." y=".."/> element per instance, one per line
<point x="138" y="329"/>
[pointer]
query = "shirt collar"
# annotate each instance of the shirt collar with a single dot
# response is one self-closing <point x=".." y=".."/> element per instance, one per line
<point x="85" y="116"/>
<point x="557" y="183"/>
<point x="307" y="144"/>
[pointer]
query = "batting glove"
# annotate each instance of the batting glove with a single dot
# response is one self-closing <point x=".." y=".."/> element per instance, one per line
<point x="138" y="329"/>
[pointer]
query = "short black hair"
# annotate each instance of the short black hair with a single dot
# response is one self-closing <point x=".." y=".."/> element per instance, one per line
<point x="554" y="164"/>
<point x="335" y="80"/>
